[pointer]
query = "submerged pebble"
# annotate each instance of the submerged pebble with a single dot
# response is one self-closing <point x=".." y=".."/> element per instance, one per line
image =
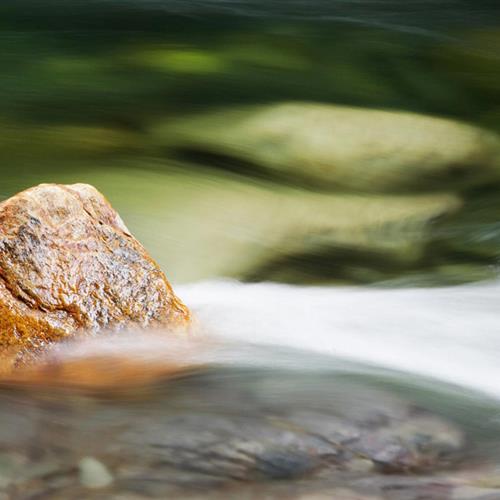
<point x="94" y="474"/>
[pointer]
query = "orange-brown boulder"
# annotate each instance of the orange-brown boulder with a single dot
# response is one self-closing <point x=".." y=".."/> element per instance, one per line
<point x="68" y="264"/>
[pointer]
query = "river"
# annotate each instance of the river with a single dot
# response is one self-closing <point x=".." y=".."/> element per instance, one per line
<point x="320" y="181"/>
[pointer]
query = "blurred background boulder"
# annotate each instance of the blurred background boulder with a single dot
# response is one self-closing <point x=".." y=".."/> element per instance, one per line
<point x="355" y="149"/>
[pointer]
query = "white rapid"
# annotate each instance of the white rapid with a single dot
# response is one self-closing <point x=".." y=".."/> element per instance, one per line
<point x="450" y="334"/>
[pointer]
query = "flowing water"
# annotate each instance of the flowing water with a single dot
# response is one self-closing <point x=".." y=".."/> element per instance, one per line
<point x="450" y="334"/>
<point x="343" y="262"/>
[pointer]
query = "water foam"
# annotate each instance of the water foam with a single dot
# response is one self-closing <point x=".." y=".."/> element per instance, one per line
<point x="451" y="334"/>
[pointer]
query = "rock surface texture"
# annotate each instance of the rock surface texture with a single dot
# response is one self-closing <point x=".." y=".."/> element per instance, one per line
<point x="68" y="264"/>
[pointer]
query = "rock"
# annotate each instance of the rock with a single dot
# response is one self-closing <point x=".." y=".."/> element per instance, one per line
<point x="280" y="441"/>
<point x="340" y="147"/>
<point x="68" y="264"/>
<point x="269" y="223"/>
<point x="271" y="232"/>
<point x="275" y="232"/>
<point x="94" y="474"/>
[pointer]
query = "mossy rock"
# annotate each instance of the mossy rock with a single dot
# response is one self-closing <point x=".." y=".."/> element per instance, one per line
<point x="330" y="146"/>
